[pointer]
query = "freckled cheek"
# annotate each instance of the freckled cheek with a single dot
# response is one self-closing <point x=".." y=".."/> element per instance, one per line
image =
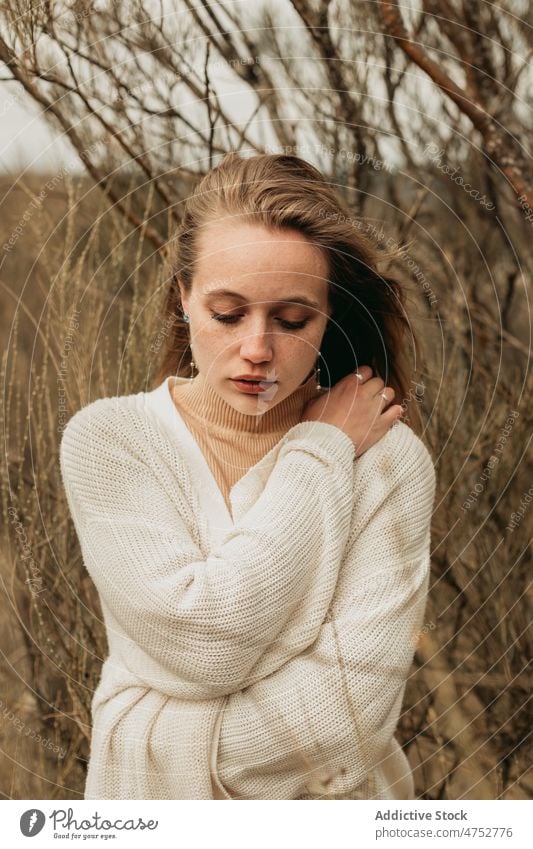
<point x="300" y="344"/>
<point x="310" y="338"/>
<point x="213" y="336"/>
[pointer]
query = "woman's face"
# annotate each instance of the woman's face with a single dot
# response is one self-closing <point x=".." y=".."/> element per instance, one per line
<point x="244" y="314"/>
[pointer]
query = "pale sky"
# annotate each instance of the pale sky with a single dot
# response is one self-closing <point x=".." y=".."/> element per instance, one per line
<point x="26" y="139"/>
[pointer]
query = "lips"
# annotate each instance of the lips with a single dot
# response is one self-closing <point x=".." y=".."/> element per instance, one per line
<point x="252" y="386"/>
<point x="257" y="378"/>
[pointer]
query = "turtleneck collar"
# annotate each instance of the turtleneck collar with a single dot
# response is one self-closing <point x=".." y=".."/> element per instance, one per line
<point x="207" y="407"/>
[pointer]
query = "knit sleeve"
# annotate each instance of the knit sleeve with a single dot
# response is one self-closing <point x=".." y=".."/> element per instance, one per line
<point x="324" y="721"/>
<point x="208" y="617"/>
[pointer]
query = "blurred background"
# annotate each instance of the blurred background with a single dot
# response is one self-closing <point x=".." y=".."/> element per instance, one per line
<point x="420" y="114"/>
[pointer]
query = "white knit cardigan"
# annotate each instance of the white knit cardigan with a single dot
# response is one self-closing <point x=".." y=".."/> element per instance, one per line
<point x="259" y="655"/>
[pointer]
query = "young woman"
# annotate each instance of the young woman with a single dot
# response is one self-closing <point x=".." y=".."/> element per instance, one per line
<point x="259" y="541"/>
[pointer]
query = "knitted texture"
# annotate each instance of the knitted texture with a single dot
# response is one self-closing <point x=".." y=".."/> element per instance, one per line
<point x="261" y="653"/>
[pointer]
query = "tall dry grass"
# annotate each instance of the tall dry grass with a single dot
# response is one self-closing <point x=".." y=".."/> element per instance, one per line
<point x="89" y="291"/>
<point x="464" y="724"/>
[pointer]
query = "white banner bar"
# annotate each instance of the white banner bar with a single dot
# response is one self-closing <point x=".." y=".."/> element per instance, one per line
<point x="281" y="824"/>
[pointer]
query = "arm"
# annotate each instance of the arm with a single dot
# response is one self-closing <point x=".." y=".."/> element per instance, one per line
<point x="333" y="709"/>
<point x="208" y="619"/>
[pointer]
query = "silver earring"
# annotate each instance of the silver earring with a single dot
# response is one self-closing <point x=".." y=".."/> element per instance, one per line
<point x="193" y="365"/>
<point x="318" y="386"/>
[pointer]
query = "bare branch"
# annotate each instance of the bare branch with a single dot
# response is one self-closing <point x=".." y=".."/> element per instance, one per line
<point x="102" y="181"/>
<point x="498" y="144"/>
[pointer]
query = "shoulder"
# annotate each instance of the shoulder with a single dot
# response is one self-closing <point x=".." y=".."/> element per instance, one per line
<point x="100" y="418"/>
<point x="116" y="458"/>
<point x="399" y="457"/>
<point x="110" y="430"/>
<point x="394" y="490"/>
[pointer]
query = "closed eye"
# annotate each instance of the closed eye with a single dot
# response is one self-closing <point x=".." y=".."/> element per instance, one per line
<point x="287" y="325"/>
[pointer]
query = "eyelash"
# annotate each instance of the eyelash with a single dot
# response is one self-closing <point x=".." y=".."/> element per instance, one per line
<point x="287" y="325"/>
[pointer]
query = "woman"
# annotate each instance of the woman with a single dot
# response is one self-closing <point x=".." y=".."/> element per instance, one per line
<point x="260" y="546"/>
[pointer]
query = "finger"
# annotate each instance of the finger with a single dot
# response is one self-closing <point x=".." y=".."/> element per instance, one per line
<point x="363" y="373"/>
<point x="375" y="385"/>
<point x="392" y="414"/>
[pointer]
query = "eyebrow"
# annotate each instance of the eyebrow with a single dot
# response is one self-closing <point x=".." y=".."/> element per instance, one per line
<point x="295" y="299"/>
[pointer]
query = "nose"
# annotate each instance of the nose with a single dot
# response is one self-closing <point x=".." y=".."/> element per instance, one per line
<point x="257" y="346"/>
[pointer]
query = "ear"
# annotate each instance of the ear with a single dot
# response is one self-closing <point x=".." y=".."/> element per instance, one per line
<point x="184" y="298"/>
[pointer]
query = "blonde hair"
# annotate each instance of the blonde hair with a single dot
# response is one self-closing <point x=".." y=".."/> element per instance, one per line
<point x="368" y="324"/>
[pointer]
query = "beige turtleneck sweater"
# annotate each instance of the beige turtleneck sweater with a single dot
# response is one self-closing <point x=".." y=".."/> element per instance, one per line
<point x="232" y="442"/>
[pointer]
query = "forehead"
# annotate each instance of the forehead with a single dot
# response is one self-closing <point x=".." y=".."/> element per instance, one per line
<point x="246" y="257"/>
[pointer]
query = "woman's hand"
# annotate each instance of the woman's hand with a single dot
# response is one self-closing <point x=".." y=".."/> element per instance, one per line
<point x="357" y="407"/>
